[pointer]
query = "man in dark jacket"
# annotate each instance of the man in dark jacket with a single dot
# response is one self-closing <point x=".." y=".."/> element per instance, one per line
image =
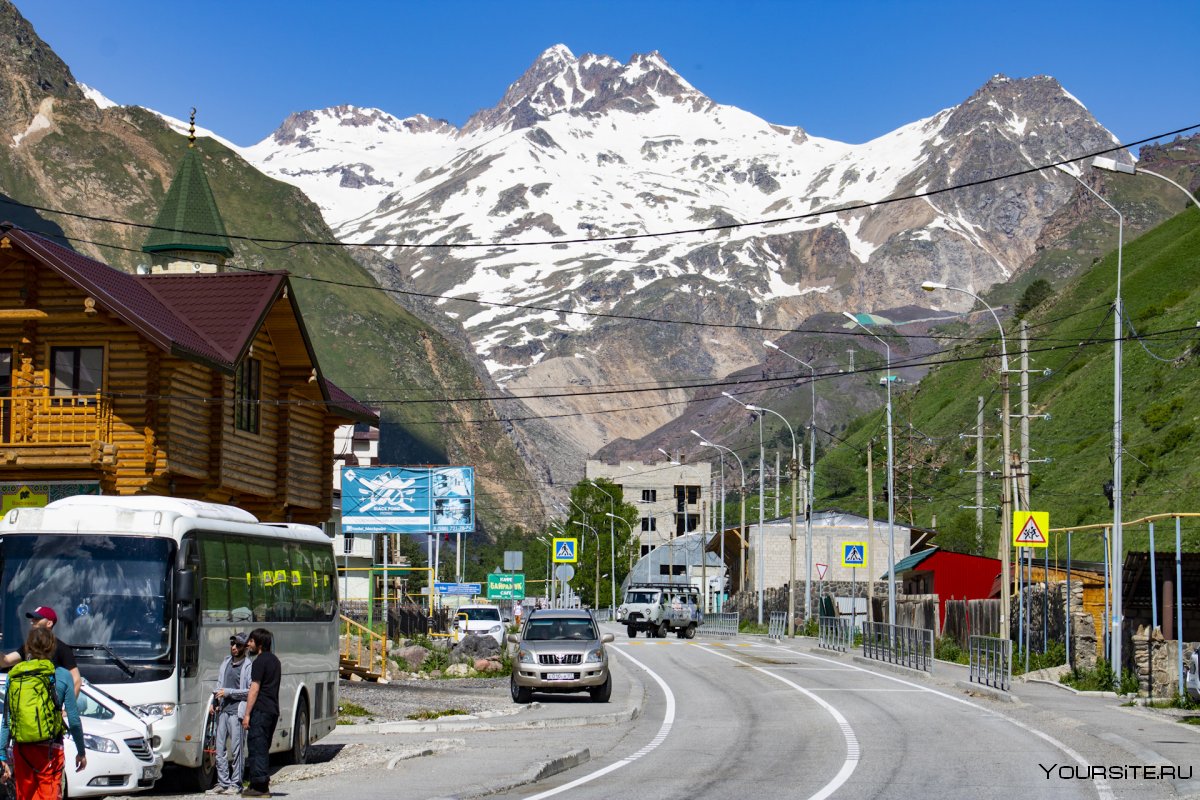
<point x="262" y="712"/>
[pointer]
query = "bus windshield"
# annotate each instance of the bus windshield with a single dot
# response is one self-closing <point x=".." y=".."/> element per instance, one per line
<point x="106" y="590"/>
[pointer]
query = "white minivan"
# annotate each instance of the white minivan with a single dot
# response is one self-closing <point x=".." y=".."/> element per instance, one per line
<point x="120" y="747"/>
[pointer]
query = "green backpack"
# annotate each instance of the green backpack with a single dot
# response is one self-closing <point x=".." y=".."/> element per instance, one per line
<point x="34" y="714"/>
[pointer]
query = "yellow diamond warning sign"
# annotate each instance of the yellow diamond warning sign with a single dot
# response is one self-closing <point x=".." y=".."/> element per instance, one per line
<point x="1031" y="529"/>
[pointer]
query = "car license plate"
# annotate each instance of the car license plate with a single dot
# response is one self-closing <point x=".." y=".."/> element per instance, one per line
<point x="560" y="676"/>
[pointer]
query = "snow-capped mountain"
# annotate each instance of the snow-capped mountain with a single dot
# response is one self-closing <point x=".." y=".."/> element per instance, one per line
<point x="585" y="148"/>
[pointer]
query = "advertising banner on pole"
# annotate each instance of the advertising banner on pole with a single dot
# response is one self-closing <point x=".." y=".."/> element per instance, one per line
<point x="408" y="499"/>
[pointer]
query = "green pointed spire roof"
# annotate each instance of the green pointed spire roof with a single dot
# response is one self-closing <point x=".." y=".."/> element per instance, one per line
<point x="189" y="219"/>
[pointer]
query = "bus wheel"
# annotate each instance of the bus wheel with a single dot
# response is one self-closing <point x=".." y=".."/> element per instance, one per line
<point x="298" y="754"/>
<point x="202" y="778"/>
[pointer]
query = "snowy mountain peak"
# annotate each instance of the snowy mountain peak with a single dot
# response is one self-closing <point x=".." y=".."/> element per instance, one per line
<point x="557" y="82"/>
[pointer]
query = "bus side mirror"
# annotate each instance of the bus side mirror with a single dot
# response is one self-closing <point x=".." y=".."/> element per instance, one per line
<point x="185" y="586"/>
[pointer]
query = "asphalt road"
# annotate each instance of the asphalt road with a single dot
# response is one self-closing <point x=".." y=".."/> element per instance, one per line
<point x="742" y="720"/>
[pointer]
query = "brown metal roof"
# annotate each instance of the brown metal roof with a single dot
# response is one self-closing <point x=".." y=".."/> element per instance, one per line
<point x="208" y="318"/>
<point x="226" y="309"/>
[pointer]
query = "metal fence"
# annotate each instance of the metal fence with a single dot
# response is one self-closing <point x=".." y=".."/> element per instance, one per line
<point x="835" y="633"/>
<point x="603" y="614"/>
<point x="777" y="625"/>
<point x="722" y="624"/>
<point x="991" y="661"/>
<point x="895" y="644"/>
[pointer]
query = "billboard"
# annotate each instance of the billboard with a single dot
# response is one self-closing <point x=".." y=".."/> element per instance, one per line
<point x="37" y="494"/>
<point x="408" y="499"/>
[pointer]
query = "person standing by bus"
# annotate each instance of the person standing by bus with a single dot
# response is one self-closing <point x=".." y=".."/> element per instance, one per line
<point x="262" y="712"/>
<point x="35" y="696"/>
<point x="64" y="656"/>
<point x="233" y="687"/>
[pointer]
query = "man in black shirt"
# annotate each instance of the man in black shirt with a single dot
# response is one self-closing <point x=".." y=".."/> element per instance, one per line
<point x="262" y="712"/>
<point x="64" y="656"/>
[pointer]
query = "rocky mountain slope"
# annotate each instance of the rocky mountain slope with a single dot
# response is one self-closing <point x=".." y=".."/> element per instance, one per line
<point x="581" y="149"/>
<point x="60" y="149"/>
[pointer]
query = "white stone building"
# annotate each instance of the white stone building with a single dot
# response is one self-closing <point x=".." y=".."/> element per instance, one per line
<point x="671" y="498"/>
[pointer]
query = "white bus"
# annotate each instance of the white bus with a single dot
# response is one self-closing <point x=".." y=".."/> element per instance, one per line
<point x="148" y="591"/>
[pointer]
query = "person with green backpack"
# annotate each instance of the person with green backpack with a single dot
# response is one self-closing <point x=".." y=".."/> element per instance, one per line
<point x="35" y="697"/>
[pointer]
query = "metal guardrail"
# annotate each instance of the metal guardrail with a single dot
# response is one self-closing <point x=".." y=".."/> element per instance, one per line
<point x="603" y="614"/>
<point x="835" y="633"/>
<point x="895" y="644"/>
<point x="777" y="625"/>
<point x="722" y="624"/>
<point x="991" y="661"/>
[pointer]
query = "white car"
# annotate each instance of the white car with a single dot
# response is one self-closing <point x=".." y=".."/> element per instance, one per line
<point x="120" y="747"/>
<point x="480" y="619"/>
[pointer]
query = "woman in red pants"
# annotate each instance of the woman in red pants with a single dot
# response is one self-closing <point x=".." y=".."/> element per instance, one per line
<point x="35" y="697"/>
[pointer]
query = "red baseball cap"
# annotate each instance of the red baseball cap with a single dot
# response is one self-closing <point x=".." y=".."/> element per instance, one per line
<point x="43" y="612"/>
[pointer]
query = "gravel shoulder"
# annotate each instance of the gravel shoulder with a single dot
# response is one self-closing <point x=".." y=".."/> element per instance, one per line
<point x="399" y="700"/>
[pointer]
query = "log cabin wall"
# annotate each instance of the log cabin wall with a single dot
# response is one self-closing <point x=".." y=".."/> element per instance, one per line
<point x="247" y="459"/>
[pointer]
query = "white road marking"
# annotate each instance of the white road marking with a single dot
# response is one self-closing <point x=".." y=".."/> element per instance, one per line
<point x="659" y="738"/>
<point x="852" y="749"/>
<point x="1102" y="788"/>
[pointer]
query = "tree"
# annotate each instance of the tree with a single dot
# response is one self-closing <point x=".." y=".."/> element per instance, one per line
<point x="1035" y="294"/>
<point x="590" y="504"/>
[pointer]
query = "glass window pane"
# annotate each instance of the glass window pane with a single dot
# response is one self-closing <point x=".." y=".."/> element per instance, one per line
<point x="282" y="591"/>
<point x="91" y="369"/>
<point x="63" y="359"/>
<point x="214" y="579"/>
<point x="262" y="580"/>
<point x="241" y="578"/>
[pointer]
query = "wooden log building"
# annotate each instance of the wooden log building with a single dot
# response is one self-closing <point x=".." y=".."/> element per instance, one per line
<point x="189" y="382"/>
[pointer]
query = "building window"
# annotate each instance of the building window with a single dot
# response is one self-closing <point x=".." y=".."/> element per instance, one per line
<point x="347" y="543"/>
<point x="649" y="524"/>
<point x="77" y="370"/>
<point x="247" y="391"/>
<point x="649" y="495"/>
<point x="693" y="495"/>
<point x="647" y="549"/>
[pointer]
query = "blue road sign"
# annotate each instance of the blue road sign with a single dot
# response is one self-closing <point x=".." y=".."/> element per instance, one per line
<point x="469" y="589"/>
<point x="565" y="550"/>
<point x="854" y="554"/>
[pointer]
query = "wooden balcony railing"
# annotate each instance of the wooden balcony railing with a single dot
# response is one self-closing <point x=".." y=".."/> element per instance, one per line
<point x="45" y="420"/>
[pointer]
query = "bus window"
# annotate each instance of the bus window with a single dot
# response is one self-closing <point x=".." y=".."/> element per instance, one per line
<point x="241" y="577"/>
<point x="262" y="579"/>
<point x="302" y="584"/>
<point x="325" y="589"/>
<point x="214" y="580"/>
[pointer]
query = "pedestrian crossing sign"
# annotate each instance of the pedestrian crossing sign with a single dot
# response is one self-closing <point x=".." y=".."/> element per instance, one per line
<point x="1031" y="529"/>
<point x="565" y="551"/>
<point x="854" y="554"/>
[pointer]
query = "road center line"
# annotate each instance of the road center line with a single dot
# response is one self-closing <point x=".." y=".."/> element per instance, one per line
<point x="659" y="738"/>
<point x="852" y="749"/>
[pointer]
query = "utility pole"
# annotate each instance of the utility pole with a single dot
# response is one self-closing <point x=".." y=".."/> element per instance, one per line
<point x="704" y="553"/>
<point x="777" y="484"/>
<point x="870" y="530"/>
<point x="979" y="477"/>
<point x="1025" y="414"/>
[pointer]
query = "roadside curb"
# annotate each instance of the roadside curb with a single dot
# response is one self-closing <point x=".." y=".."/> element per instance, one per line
<point x="538" y="772"/>
<point x="981" y="690"/>
<point x="897" y="668"/>
<point x="464" y="723"/>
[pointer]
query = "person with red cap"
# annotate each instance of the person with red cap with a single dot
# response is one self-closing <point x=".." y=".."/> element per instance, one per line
<point x="64" y="656"/>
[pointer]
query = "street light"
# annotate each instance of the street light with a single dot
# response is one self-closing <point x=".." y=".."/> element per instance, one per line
<point x="1112" y="165"/>
<point x="612" y="548"/>
<point x="759" y="567"/>
<point x="812" y="468"/>
<point x="596" y="588"/>
<point x="631" y="537"/>
<point x="891" y="494"/>
<point x="1118" y="538"/>
<point x="1006" y="499"/>
<point x="795" y="481"/>
<point x="742" y="505"/>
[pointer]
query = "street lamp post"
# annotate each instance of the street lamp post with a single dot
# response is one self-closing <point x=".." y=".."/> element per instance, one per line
<point x="1006" y="499"/>
<point x="1118" y="546"/>
<point x="631" y="537"/>
<point x="812" y="467"/>
<point x="891" y="494"/>
<point x="1112" y="165"/>
<point x="759" y="565"/>
<point x="612" y="550"/>
<point x="596" y="587"/>
<point x="795" y="485"/>
<point x="742" y="505"/>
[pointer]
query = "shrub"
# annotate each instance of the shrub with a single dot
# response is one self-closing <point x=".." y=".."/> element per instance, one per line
<point x="946" y="649"/>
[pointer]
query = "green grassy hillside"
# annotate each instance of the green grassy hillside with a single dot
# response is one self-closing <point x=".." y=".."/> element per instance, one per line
<point x="1071" y="335"/>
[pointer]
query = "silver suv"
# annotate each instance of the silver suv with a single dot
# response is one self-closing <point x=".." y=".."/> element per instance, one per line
<point x="561" y="650"/>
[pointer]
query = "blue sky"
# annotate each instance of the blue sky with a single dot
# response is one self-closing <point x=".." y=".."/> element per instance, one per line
<point x="849" y="71"/>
